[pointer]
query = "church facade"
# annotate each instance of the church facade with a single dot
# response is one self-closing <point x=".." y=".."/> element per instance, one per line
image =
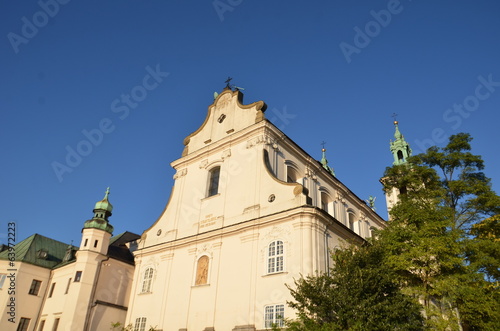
<point x="249" y="212"/>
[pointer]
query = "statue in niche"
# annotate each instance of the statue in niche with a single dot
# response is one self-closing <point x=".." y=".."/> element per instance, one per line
<point x="202" y="271"/>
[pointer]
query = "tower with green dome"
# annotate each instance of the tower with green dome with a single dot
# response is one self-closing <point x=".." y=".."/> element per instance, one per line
<point x="400" y="148"/>
<point x="97" y="231"/>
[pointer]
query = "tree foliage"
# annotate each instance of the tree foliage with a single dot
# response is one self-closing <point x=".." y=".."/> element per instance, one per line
<point x="358" y="294"/>
<point x="436" y="241"/>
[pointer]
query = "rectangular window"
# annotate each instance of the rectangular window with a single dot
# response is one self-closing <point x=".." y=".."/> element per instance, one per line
<point x="42" y="325"/>
<point x="275" y="257"/>
<point x="274" y="316"/>
<point x="23" y="324"/>
<point x="52" y="287"/>
<point x="2" y="280"/>
<point x="213" y="185"/>
<point x="140" y="324"/>
<point x="56" y="324"/>
<point x="78" y="276"/>
<point x="67" y="286"/>
<point x="95" y="243"/>
<point x="86" y="242"/>
<point x="35" y="287"/>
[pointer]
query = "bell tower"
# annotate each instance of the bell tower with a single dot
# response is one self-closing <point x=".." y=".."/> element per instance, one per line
<point x="97" y="231"/>
<point x="400" y="150"/>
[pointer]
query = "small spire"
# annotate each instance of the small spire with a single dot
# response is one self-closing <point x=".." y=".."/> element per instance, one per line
<point x="399" y="147"/>
<point x="324" y="161"/>
<point x="106" y="195"/>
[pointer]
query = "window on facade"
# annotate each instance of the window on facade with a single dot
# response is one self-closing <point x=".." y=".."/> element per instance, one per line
<point x="23" y="324"/>
<point x="35" y="287"/>
<point x="95" y="243"/>
<point x="56" y="324"/>
<point x="52" y="287"/>
<point x="202" y="271"/>
<point x="78" y="276"/>
<point x="324" y="201"/>
<point x="140" y="324"/>
<point x="275" y="257"/>
<point x="213" y="181"/>
<point x="2" y="280"/>
<point x="42" y="325"/>
<point x="147" y="281"/>
<point x="291" y="175"/>
<point x="352" y="221"/>
<point x="274" y="316"/>
<point x="86" y="242"/>
<point x="67" y="286"/>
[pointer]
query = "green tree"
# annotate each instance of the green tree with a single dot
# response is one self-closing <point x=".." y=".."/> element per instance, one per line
<point x="358" y="294"/>
<point x="429" y="240"/>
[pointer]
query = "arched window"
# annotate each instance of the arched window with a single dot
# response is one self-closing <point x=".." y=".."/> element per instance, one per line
<point x="352" y="221"/>
<point x="291" y="175"/>
<point x="400" y="156"/>
<point x="213" y="181"/>
<point x="147" y="280"/>
<point x="325" y="200"/>
<point x="202" y="271"/>
<point x="275" y="257"/>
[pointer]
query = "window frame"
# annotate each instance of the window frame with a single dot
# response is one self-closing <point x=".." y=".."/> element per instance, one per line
<point x="52" y="288"/>
<point x="140" y="324"/>
<point x="213" y="181"/>
<point x="147" y="280"/>
<point x="24" y="324"/>
<point x="275" y="261"/>
<point x="78" y="276"/>
<point x="34" y="290"/>
<point x="271" y="315"/>
<point x="56" y="323"/>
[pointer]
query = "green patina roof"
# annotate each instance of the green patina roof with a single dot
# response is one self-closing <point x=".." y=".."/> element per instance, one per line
<point x="29" y="250"/>
<point x="104" y="204"/>
<point x="97" y="223"/>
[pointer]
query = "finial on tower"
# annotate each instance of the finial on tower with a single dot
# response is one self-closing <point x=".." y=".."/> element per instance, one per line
<point x="324" y="161"/>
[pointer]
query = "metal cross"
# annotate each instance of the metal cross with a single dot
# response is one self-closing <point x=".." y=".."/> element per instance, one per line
<point x="227" y="81"/>
<point x="394" y="115"/>
<point x="323" y="143"/>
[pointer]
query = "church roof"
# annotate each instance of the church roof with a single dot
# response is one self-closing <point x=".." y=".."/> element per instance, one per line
<point x="38" y="250"/>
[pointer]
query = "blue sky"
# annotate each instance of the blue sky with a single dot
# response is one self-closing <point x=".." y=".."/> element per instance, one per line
<point x="329" y="71"/>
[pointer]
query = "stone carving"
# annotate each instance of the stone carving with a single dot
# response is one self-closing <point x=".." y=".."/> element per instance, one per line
<point x="180" y="173"/>
<point x="226" y="154"/>
<point x="203" y="163"/>
<point x="202" y="271"/>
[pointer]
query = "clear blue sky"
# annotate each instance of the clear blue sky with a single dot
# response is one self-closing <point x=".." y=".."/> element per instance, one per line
<point x="328" y="70"/>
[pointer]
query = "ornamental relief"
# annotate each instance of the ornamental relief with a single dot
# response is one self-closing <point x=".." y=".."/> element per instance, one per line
<point x="262" y="139"/>
<point x="223" y="101"/>
<point x="180" y="173"/>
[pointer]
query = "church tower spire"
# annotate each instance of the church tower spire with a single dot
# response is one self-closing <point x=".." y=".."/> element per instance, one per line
<point x="400" y="149"/>
<point x="97" y="230"/>
<point x="324" y="162"/>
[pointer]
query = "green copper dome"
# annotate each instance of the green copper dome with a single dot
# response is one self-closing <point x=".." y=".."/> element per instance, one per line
<point x="102" y="210"/>
<point x="104" y="204"/>
<point x="97" y="223"/>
